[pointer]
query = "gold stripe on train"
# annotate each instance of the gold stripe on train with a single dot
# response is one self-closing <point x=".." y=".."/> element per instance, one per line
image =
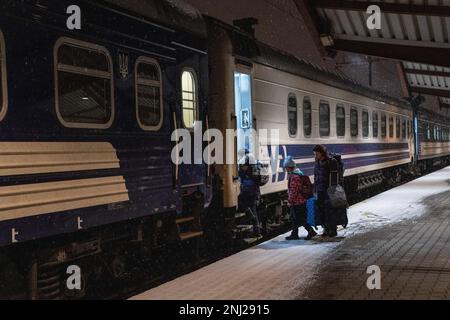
<point x="43" y="198"/>
<point x="21" y="158"/>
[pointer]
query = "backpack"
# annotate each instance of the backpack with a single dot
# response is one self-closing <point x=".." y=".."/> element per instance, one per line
<point x="336" y="192"/>
<point x="336" y="165"/>
<point x="248" y="187"/>
<point x="258" y="175"/>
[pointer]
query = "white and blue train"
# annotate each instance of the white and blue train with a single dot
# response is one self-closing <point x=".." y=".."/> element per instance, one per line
<point x="86" y="118"/>
<point x="380" y="138"/>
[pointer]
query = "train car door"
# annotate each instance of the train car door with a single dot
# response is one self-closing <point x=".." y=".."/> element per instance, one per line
<point x="244" y="114"/>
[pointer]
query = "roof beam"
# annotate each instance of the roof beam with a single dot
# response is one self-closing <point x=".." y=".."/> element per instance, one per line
<point x="428" y="73"/>
<point x="425" y="55"/>
<point x="398" y="8"/>
<point x="432" y="92"/>
<point x="311" y="21"/>
<point x="443" y="105"/>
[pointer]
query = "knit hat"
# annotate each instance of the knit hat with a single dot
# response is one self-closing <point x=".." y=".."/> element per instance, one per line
<point x="289" y="163"/>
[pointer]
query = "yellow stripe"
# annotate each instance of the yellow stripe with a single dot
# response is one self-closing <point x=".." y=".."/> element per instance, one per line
<point x="44" y="198"/>
<point x="20" y="158"/>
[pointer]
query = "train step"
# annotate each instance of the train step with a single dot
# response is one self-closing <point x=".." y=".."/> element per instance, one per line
<point x="243" y="228"/>
<point x="237" y="216"/>
<point x="190" y="235"/>
<point x="185" y="220"/>
<point x="240" y="215"/>
<point x="252" y="240"/>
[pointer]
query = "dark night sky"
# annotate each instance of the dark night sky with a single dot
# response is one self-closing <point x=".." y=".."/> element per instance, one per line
<point x="280" y="24"/>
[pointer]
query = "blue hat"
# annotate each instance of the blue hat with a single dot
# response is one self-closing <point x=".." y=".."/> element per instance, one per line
<point x="289" y="163"/>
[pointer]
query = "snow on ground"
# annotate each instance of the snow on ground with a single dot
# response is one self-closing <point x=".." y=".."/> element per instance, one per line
<point x="404" y="202"/>
<point x="278" y="269"/>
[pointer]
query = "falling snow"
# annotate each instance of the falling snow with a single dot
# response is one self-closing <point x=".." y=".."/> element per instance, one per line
<point x="279" y="269"/>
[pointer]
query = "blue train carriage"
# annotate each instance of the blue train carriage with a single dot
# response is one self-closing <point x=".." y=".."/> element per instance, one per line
<point x="309" y="106"/>
<point x="433" y="140"/>
<point x="86" y="119"/>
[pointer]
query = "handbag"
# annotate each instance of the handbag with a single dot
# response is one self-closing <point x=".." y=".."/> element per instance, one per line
<point x="336" y="195"/>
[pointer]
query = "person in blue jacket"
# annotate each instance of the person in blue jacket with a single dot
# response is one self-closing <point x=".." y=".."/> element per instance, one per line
<point x="250" y="191"/>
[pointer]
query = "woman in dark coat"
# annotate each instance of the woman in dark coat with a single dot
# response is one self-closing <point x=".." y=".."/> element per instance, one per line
<point x="324" y="215"/>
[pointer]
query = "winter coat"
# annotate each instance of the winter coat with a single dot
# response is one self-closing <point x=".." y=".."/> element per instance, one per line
<point x="295" y="197"/>
<point x="322" y="176"/>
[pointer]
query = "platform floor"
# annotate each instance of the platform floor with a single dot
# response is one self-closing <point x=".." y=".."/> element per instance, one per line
<point x="405" y="231"/>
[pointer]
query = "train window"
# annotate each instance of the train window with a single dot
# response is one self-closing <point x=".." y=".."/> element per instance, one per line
<point x="340" y="121"/>
<point x="3" y="86"/>
<point x="428" y="133"/>
<point x="149" y="108"/>
<point x="391" y="127"/>
<point x="292" y="115"/>
<point x="365" y="124"/>
<point x="84" y="84"/>
<point x="354" y="122"/>
<point x="324" y="119"/>
<point x="383" y="126"/>
<point x="397" y="127"/>
<point x="403" y="129"/>
<point x="307" y="117"/>
<point x="190" y="103"/>
<point x="375" y="122"/>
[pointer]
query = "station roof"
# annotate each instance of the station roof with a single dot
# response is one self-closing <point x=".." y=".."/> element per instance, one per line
<point x="416" y="32"/>
<point x="172" y="13"/>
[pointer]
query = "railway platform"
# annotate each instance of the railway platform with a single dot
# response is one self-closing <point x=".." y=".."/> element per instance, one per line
<point x="405" y="232"/>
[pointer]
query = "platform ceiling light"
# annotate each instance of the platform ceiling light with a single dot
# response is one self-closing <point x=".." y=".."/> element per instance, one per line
<point x="327" y="40"/>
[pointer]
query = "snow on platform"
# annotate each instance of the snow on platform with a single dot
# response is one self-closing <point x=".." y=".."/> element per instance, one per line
<point x="279" y="269"/>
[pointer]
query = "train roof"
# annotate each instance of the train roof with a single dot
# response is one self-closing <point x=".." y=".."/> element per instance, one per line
<point x="176" y="14"/>
<point x="428" y="115"/>
<point x="246" y="46"/>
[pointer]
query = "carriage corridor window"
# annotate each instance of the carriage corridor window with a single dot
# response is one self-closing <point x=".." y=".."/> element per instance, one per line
<point x="324" y="118"/>
<point x="397" y="128"/>
<point x="340" y="121"/>
<point x="307" y="117"/>
<point x="292" y="115"/>
<point x="84" y="84"/>
<point x="365" y="124"/>
<point x="354" y="122"/>
<point x="190" y="103"/>
<point x="149" y="106"/>
<point x="383" y="126"/>
<point x="3" y="87"/>
<point x="375" y="124"/>
<point x="391" y="127"/>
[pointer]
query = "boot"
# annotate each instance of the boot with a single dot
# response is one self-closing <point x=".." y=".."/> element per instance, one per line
<point x="325" y="233"/>
<point x="333" y="234"/>
<point x="311" y="235"/>
<point x="293" y="237"/>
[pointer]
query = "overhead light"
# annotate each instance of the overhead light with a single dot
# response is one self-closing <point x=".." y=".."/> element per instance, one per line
<point x="327" y="40"/>
<point x="85" y="98"/>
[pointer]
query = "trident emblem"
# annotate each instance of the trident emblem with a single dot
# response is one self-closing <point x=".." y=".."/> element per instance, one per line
<point x="123" y="65"/>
